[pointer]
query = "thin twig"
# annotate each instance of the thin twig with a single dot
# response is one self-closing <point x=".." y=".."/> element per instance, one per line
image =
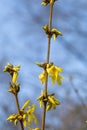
<point x="47" y="61"/>
<point x="18" y="107"/>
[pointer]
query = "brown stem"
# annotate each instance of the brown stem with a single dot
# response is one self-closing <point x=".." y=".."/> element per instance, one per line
<point x="47" y="61"/>
<point x="18" y="107"/>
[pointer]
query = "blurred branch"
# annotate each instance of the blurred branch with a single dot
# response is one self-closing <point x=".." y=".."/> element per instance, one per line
<point x="77" y="93"/>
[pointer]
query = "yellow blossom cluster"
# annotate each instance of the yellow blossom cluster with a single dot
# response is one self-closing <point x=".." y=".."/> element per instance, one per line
<point x="54" y="32"/>
<point x="46" y="2"/>
<point x="53" y="72"/>
<point x="26" y="115"/>
<point x="13" y="71"/>
<point x="50" y="100"/>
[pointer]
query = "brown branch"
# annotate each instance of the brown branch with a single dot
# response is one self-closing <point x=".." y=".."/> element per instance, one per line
<point x="18" y="107"/>
<point x="47" y="61"/>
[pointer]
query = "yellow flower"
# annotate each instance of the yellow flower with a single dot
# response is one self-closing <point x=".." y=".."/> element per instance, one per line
<point x="55" y="33"/>
<point x="42" y="77"/>
<point x="52" y="102"/>
<point x="50" y="99"/>
<point x="25" y="105"/>
<point x="46" y="2"/>
<point x="53" y="73"/>
<point x="15" y="77"/>
<point x="26" y="115"/>
<point x="13" y="71"/>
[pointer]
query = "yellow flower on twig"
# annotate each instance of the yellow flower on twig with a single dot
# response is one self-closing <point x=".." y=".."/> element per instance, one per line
<point x="13" y="71"/>
<point x="26" y="115"/>
<point x="46" y="2"/>
<point x="53" y="72"/>
<point x="53" y="32"/>
<point x="51" y="101"/>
